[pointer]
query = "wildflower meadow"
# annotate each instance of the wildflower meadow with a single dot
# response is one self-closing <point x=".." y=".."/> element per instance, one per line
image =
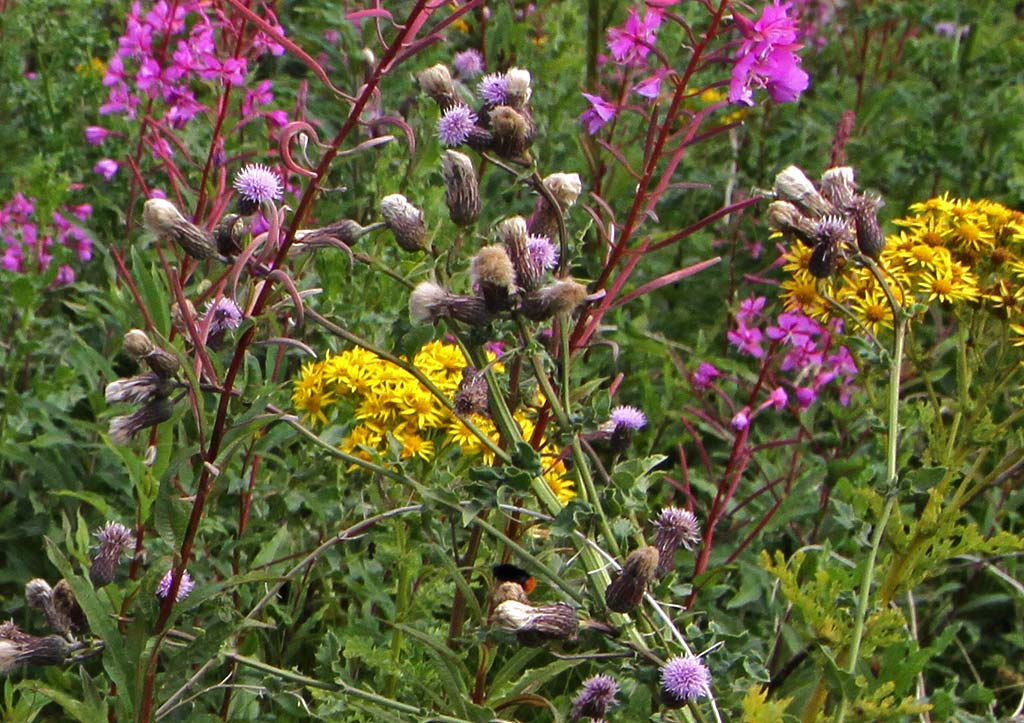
<point x="471" y="361"/>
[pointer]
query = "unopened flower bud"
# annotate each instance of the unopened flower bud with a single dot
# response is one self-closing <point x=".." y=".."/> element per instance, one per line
<point x="345" y="231"/>
<point x="870" y="239"/>
<point x="405" y="221"/>
<point x="627" y="590"/>
<point x="462" y="192"/>
<point x="512" y="234"/>
<point x="676" y="527"/>
<point x="786" y="217"/>
<point x="513" y="131"/>
<point x="68" y="613"/>
<point x="162" y="218"/>
<point x="561" y="297"/>
<point x="163" y="363"/>
<point x="38" y="594"/>
<point x="124" y="428"/>
<point x="517" y="88"/>
<point x="565" y="188"/>
<point x="436" y="81"/>
<point x="430" y="302"/>
<point x="229" y="233"/>
<point x="537" y="624"/>
<point x="793" y="185"/>
<point x="492" y="271"/>
<point x="138" y="389"/>
<point x="137" y="343"/>
<point x="839" y="187"/>
<point x="20" y="648"/>
<point x="472" y="395"/>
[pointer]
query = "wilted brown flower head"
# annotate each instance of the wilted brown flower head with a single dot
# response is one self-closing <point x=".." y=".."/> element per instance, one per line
<point x="165" y="221"/>
<point x="405" y="221"/>
<point x="626" y="590"/>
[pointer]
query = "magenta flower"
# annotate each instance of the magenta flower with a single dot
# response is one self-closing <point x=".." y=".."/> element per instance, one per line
<point x="684" y="679"/>
<point x="543" y="253"/>
<point x="778" y="398"/>
<point x="750" y="310"/>
<point x="766" y="57"/>
<point x="456" y="125"/>
<point x="747" y="340"/>
<point x="257" y="183"/>
<point x="599" y="113"/>
<point x="632" y="41"/>
<point x="106" y="168"/>
<point x="95" y="135"/>
<point x="628" y="417"/>
<point x="704" y="376"/>
<point x="740" y="420"/>
<point x="651" y="87"/>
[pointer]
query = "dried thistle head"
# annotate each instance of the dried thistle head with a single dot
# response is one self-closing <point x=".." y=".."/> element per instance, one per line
<point x="491" y="270"/>
<point x="405" y="221"/>
<point x="517" y="88"/>
<point x="537" y="624"/>
<point x="431" y="302"/>
<point x="20" y="648"/>
<point x="792" y="184"/>
<point x="560" y="297"/>
<point x="165" y="221"/>
<point x="462" y="191"/>
<point x="786" y="217"/>
<point x="139" y="389"/>
<point x="839" y="186"/>
<point x="436" y="81"/>
<point x="124" y="428"/>
<point x="565" y="188"/>
<point x="512" y="131"/>
<point x="626" y="590"/>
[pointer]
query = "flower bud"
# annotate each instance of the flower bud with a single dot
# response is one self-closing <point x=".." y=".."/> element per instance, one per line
<point x="163" y="363"/>
<point x="517" y="88"/>
<point x="786" y="217"/>
<point x="793" y="185"/>
<point x="405" y="221"/>
<point x="462" y="192"/>
<point x="138" y="389"/>
<point x="346" y="231"/>
<point x="870" y="239"/>
<point x="162" y="218"/>
<point x="178" y="318"/>
<point x="124" y="428"/>
<point x="627" y="590"/>
<point x="537" y="624"/>
<point x="565" y="188"/>
<point x="229" y="233"/>
<point x="137" y="343"/>
<point x="561" y="297"/>
<point x="436" y="81"/>
<point x="491" y="270"/>
<point x="839" y="187"/>
<point x="513" y="131"/>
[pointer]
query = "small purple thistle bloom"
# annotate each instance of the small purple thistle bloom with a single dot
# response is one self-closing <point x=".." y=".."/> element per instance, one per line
<point x="596" y="697"/>
<point x="455" y="125"/>
<point x="493" y="88"/>
<point x="684" y="679"/>
<point x="543" y="253"/>
<point x="184" y="588"/>
<point x="599" y="113"/>
<point x="258" y="183"/>
<point x="628" y="417"/>
<point x="224" y="315"/>
<point x="469" y="63"/>
<point x="106" y="168"/>
<point x="115" y="537"/>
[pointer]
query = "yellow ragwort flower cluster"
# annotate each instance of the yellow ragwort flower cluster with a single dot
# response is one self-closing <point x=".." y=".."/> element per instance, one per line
<point x="951" y="251"/>
<point x="386" y="399"/>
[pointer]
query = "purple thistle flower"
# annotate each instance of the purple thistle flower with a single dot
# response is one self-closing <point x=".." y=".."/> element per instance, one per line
<point x="115" y="538"/>
<point x="469" y="63"/>
<point x="184" y="588"/>
<point x="628" y="417"/>
<point x="493" y="88"/>
<point x="106" y="168"/>
<point x="224" y="315"/>
<point x="676" y="527"/>
<point x="543" y="253"/>
<point x="684" y="679"/>
<point x="599" y="113"/>
<point x="258" y="183"/>
<point x="596" y="697"/>
<point x="455" y="125"/>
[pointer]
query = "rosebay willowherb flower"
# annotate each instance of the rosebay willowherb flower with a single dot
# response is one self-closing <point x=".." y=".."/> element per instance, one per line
<point x="19" y="648"/>
<point x="256" y="184"/>
<point x="676" y="528"/>
<point x="565" y="188"/>
<point x="164" y="219"/>
<point x="185" y="587"/>
<point x="684" y="678"/>
<point x="462" y="190"/>
<point x="491" y="272"/>
<point x="537" y="624"/>
<point x="431" y="302"/>
<point x="436" y="81"/>
<point x="405" y="221"/>
<point x="595" y="699"/>
<point x="627" y="588"/>
<point x="114" y="541"/>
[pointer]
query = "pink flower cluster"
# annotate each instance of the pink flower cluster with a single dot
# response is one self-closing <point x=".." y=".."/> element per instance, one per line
<point x="27" y="247"/>
<point x="809" y="353"/>
<point x="166" y="51"/>
<point x="766" y="57"/>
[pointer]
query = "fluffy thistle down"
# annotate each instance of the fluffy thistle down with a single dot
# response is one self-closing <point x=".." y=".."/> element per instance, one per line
<point x="462" y="190"/>
<point x="138" y="389"/>
<point x="512" y="234"/>
<point x="165" y="221"/>
<point x="124" y="428"/>
<point x="565" y="188"/>
<point x="436" y="81"/>
<point x="517" y="88"/>
<point x="537" y="624"/>
<point x="561" y="297"/>
<point x="792" y="184"/>
<point x="405" y="221"/>
<point x="430" y="302"/>
<point x="492" y="272"/>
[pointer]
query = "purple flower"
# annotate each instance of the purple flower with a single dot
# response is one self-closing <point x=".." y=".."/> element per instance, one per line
<point x="469" y="63"/>
<point x="628" y="417"/>
<point x="115" y="538"/>
<point x="493" y="88"/>
<point x="651" y="87"/>
<point x="778" y="398"/>
<point x="676" y="527"/>
<point x="794" y="330"/>
<point x="456" y="125"/>
<point x="257" y="183"/>
<point x="805" y="396"/>
<point x="543" y="253"/>
<point x="750" y="310"/>
<point x="632" y="41"/>
<point x="106" y="168"/>
<point x="747" y="340"/>
<point x="706" y="373"/>
<point x="740" y="420"/>
<point x="684" y="679"/>
<point x="184" y="588"/>
<point x="223" y="314"/>
<point x="95" y="135"/>
<point x="596" y="697"/>
<point x="599" y="113"/>
<point x="65" y="275"/>
<point x="766" y="57"/>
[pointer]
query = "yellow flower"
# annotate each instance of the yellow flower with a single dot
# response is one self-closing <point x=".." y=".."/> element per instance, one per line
<point x="413" y="445"/>
<point x="946" y="286"/>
